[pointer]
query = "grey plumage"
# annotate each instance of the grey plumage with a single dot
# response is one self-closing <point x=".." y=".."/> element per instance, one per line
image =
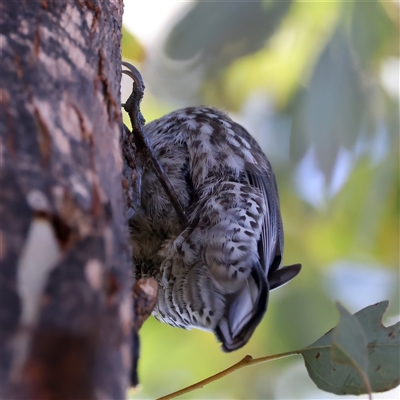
<point x="215" y="273"/>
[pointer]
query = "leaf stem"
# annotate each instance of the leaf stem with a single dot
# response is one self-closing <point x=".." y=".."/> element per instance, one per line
<point x="245" y="362"/>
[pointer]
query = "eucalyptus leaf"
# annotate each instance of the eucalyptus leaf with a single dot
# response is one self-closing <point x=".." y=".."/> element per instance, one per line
<point x="332" y="110"/>
<point x="371" y="31"/>
<point x="218" y="32"/>
<point x="383" y="346"/>
<point x="350" y="345"/>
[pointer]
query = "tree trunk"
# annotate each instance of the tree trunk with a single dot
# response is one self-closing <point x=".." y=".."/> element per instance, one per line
<point x="65" y="278"/>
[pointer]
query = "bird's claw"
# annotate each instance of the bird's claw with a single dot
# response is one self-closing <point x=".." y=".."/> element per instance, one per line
<point x="134" y="74"/>
<point x="132" y="105"/>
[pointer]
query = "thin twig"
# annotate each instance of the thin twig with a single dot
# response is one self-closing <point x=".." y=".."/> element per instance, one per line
<point x="245" y="362"/>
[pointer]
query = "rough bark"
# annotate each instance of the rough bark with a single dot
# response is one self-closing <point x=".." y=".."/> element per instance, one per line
<point x="65" y="277"/>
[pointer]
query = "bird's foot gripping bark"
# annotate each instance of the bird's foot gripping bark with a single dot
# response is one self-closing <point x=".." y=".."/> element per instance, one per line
<point x="132" y="107"/>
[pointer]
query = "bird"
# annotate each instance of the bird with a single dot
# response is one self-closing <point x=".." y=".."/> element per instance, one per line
<point x="214" y="241"/>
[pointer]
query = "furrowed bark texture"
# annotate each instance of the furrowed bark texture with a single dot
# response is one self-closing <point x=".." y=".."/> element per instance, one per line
<point x="65" y="276"/>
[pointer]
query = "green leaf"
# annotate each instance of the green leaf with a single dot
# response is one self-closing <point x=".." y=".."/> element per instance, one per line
<point x="371" y="31"/>
<point x="218" y="32"/>
<point x="382" y="360"/>
<point x="349" y="340"/>
<point x="350" y="345"/>
<point x="333" y="108"/>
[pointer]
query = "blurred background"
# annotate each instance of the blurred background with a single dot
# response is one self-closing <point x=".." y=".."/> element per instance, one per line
<point x="317" y="84"/>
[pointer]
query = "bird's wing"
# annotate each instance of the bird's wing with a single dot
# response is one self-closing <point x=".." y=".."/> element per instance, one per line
<point x="270" y="245"/>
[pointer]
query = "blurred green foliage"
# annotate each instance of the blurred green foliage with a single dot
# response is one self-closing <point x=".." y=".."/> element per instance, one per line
<point x="317" y="84"/>
<point x="131" y="48"/>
